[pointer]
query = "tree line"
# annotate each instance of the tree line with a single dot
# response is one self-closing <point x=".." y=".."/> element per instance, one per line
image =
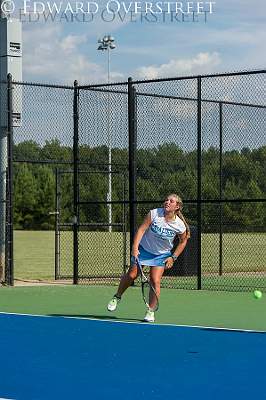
<point x="160" y="170"/>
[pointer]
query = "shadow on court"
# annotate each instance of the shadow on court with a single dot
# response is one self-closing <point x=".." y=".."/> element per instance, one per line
<point x="93" y="316"/>
<point x="229" y="331"/>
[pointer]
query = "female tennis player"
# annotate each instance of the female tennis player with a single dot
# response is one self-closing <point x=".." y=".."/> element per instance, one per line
<point x="153" y="246"/>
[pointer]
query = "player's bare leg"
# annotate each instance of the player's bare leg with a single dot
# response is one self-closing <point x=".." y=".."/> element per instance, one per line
<point x="126" y="281"/>
<point x="156" y="274"/>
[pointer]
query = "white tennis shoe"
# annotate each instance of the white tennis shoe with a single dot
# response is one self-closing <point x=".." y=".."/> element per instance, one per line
<point x="113" y="303"/>
<point x="149" y="316"/>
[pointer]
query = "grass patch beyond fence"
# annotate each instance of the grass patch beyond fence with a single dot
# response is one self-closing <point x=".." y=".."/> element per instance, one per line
<point x="34" y="256"/>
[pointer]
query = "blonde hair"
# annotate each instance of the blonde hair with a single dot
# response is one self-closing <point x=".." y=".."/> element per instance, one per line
<point x="179" y="213"/>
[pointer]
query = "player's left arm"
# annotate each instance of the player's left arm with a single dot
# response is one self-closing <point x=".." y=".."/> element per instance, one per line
<point x="178" y="250"/>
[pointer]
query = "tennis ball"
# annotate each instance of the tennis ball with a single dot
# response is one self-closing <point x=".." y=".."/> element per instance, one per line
<point x="257" y="294"/>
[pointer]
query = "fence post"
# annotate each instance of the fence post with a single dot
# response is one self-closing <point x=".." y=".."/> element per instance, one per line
<point x="9" y="210"/>
<point x="132" y="148"/>
<point x="221" y="188"/>
<point x="57" y="219"/>
<point x="124" y="226"/>
<point x="75" y="183"/>
<point x="199" y="171"/>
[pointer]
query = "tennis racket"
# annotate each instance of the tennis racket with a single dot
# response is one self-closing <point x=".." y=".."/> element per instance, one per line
<point x="148" y="292"/>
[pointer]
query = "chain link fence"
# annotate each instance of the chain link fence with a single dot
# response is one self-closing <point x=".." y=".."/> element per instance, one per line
<point x="103" y="248"/>
<point x="209" y="135"/>
<point x="135" y="142"/>
<point x="42" y="143"/>
<point x="233" y="138"/>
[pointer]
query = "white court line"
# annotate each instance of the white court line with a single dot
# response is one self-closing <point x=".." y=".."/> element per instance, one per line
<point x="4" y="398"/>
<point x="134" y="322"/>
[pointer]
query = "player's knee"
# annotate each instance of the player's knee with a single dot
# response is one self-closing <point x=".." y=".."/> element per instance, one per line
<point x="132" y="273"/>
<point x="156" y="282"/>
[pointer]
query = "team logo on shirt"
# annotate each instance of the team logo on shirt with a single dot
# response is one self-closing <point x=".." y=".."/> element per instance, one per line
<point x="163" y="232"/>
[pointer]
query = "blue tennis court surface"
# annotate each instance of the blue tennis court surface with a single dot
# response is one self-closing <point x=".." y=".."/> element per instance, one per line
<point x="72" y="358"/>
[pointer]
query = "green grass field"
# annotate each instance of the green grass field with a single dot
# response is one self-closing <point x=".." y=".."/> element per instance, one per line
<point x="102" y="252"/>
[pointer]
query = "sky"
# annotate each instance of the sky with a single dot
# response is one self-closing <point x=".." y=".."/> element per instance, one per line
<point x="232" y="38"/>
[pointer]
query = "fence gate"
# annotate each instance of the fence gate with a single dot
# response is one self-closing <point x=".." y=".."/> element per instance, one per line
<point x="102" y="244"/>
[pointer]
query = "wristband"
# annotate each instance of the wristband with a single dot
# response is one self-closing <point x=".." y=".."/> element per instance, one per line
<point x="174" y="257"/>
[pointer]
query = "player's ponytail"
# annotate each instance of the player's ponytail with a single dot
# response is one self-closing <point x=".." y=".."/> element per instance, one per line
<point x="181" y="216"/>
<point x="179" y="213"/>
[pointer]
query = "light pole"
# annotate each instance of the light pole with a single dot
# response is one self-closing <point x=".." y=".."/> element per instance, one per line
<point x="107" y="43"/>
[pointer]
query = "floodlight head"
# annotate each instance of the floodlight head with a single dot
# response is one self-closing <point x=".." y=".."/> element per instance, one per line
<point x="111" y="38"/>
<point x="112" y="46"/>
<point x="106" y="39"/>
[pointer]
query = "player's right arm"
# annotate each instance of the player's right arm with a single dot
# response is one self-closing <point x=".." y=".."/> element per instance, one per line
<point x="140" y="232"/>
